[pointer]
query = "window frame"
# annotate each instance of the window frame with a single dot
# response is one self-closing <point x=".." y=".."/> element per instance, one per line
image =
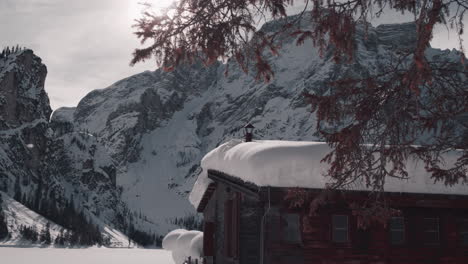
<point x="276" y="229"/>
<point x="282" y="229"/>
<point x="425" y="231"/>
<point x="460" y="232"/>
<point x="403" y="230"/>
<point x="333" y="228"/>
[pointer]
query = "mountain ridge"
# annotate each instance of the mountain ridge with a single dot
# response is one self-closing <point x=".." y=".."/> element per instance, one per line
<point x="130" y="153"/>
<point x="168" y="143"/>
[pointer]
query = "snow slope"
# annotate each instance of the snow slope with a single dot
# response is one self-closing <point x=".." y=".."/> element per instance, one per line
<point x="18" y="215"/>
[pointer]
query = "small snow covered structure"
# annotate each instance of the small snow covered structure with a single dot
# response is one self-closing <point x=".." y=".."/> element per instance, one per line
<point x="184" y="244"/>
<point x="241" y="193"/>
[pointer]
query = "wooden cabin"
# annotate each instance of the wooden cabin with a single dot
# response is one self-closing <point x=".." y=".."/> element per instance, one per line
<point x="248" y="222"/>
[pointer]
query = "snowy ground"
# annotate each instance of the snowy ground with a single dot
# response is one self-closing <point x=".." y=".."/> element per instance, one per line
<point x="12" y="255"/>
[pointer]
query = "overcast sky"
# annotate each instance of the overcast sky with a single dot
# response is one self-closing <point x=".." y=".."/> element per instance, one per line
<point x="87" y="44"/>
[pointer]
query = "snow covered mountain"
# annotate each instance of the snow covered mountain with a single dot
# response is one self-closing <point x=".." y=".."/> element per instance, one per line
<point x="158" y="125"/>
<point x="43" y="165"/>
<point x="133" y="150"/>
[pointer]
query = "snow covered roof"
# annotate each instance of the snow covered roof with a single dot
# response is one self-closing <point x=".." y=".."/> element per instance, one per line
<point x="297" y="164"/>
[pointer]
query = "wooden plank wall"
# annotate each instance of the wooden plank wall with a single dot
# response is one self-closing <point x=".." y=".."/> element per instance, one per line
<point x="317" y="246"/>
<point x="249" y="237"/>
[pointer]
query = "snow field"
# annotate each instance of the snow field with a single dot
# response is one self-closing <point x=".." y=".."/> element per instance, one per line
<point x="13" y="255"/>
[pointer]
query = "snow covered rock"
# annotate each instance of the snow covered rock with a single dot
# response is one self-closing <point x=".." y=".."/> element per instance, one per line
<point x="22" y="95"/>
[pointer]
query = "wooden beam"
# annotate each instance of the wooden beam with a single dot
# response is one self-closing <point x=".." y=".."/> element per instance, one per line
<point x="206" y="197"/>
<point x="235" y="183"/>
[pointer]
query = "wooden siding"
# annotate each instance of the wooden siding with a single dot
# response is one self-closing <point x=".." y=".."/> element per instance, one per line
<point x="364" y="247"/>
<point x="317" y="246"/>
<point x="250" y="213"/>
<point x="250" y="225"/>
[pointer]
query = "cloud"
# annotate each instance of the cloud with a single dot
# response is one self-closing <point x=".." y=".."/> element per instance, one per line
<point x="87" y="44"/>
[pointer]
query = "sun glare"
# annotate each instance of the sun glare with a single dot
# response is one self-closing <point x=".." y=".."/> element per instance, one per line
<point x="135" y="6"/>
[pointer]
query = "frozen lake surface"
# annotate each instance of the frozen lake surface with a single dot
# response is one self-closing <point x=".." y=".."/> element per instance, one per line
<point x="12" y="255"/>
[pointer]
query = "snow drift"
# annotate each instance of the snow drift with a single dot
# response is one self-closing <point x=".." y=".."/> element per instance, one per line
<point x="184" y="244"/>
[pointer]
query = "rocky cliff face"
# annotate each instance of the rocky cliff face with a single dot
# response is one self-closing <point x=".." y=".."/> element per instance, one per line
<point x="159" y="125"/>
<point x="42" y="162"/>
<point x="23" y="98"/>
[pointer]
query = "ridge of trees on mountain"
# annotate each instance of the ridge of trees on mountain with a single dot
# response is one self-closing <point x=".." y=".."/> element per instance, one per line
<point x="189" y="222"/>
<point x="80" y="229"/>
<point x="144" y="239"/>
<point x="10" y="50"/>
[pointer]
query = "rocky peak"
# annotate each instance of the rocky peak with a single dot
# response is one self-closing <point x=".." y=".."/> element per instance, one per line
<point x="48" y="162"/>
<point x="401" y="36"/>
<point x="22" y="95"/>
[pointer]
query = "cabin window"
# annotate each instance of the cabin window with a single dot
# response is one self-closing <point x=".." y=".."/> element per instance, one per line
<point x="291" y="231"/>
<point x="431" y="231"/>
<point x="463" y="231"/>
<point x="340" y="228"/>
<point x="283" y="227"/>
<point x="397" y="230"/>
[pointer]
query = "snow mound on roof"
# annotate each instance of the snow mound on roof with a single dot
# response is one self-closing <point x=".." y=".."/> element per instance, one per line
<point x="184" y="244"/>
<point x="196" y="246"/>
<point x="170" y="240"/>
<point x="298" y="164"/>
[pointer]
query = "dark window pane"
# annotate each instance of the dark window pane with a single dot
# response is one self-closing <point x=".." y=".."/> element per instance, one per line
<point x="431" y="223"/>
<point x="397" y="237"/>
<point x="431" y="230"/>
<point x="464" y="238"/>
<point x="463" y="230"/>
<point x="291" y="228"/>
<point x="340" y="221"/>
<point x="397" y="223"/>
<point x="397" y="230"/>
<point x="340" y="228"/>
<point x="273" y="224"/>
<point x="340" y="236"/>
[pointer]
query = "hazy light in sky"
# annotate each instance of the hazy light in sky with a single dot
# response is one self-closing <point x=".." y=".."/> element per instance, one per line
<point x="87" y="44"/>
<point x="136" y="6"/>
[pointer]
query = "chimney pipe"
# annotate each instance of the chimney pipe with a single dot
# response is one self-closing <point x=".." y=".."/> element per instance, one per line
<point x="248" y="132"/>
